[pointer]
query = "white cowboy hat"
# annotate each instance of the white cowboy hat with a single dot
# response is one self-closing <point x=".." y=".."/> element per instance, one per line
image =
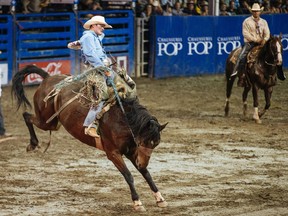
<point x="96" y="20"/>
<point x="256" y="7"/>
<point x="155" y="3"/>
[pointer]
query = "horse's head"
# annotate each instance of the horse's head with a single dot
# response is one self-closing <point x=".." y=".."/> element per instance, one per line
<point x="275" y="48"/>
<point x="149" y="138"/>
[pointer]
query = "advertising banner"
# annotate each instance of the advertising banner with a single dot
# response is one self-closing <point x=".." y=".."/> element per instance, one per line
<point x="52" y="67"/>
<point x="195" y="45"/>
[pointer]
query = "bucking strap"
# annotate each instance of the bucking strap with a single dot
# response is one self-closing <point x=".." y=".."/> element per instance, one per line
<point x="63" y="107"/>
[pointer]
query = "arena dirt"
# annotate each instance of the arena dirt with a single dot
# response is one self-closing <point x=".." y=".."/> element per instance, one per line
<point x="206" y="164"/>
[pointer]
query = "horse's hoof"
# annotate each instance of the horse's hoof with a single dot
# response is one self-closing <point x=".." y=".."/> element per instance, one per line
<point x="138" y="206"/>
<point x="258" y="121"/>
<point x="31" y="148"/>
<point x="162" y="204"/>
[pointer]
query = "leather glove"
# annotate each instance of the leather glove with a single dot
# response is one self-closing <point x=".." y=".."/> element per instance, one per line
<point x="107" y="73"/>
<point x="74" y="45"/>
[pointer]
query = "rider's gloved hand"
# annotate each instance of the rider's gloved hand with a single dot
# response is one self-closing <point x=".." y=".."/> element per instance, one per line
<point x="107" y="73"/>
<point x="262" y="42"/>
<point x="109" y="81"/>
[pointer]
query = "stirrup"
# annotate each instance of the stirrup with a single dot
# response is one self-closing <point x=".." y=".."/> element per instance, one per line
<point x="234" y="74"/>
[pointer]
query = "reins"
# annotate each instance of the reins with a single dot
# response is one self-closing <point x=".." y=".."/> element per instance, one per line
<point x="268" y="63"/>
<point x="110" y="81"/>
<point x="271" y="64"/>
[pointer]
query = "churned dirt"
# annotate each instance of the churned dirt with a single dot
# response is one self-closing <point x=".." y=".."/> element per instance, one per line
<point x="206" y="164"/>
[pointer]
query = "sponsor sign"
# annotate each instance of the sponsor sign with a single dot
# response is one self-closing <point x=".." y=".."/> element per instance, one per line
<point x="52" y="67"/>
<point x="201" y="45"/>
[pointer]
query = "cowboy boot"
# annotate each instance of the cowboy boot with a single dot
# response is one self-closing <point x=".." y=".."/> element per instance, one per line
<point x="92" y="130"/>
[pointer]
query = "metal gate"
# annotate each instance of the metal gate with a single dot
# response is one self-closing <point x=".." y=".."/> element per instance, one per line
<point x="142" y="47"/>
<point x="6" y="49"/>
<point x="42" y="40"/>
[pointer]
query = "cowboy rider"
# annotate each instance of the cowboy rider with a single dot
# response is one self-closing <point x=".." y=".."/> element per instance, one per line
<point x="94" y="56"/>
<point x="255" y="31"/>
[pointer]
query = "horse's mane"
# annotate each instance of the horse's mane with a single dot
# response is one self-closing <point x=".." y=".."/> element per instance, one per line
<point x="141" y="122"/>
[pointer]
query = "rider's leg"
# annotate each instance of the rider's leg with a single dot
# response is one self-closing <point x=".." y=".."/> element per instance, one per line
<point x="241" y="74"/>
<point x="91" y="123"/>
<point x="241" y="59"/>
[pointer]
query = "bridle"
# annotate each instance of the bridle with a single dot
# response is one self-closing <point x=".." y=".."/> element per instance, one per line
<point x="145" y="150"/>
<point x="273" y="55"/>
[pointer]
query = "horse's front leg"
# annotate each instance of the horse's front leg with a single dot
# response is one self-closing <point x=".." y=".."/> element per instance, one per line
<point x="268" y="94"/>
<point x="118" y="161"/>
<point x="160" y="201"/>
<point x="256" y="104"/>
<point x="244" y="99"/>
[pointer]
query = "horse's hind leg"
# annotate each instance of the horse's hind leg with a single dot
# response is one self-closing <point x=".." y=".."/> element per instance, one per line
<point x="33" y="138"/>
<point x="256" y="104"/>
<point x="229" y="85"/>
<point x="31" y="120"/>
<point x="244" y="99"/>
<point x="268" y="94"/>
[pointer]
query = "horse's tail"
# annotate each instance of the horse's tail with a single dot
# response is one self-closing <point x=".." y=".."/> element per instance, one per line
<point x="17" y="86"/>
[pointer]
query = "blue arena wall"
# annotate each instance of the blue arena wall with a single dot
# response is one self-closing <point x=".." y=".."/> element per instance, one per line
<point x="195" y="45"/>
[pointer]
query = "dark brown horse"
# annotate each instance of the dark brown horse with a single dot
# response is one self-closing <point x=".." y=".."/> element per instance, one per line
<point x="262" y="71"/>
<point x="133" y="133"/>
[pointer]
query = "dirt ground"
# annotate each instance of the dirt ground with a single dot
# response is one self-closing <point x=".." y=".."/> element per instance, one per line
<point x="206" y="164"/>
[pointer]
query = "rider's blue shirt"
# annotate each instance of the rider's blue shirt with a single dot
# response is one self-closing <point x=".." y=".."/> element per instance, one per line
<point x="91" y="47"/>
